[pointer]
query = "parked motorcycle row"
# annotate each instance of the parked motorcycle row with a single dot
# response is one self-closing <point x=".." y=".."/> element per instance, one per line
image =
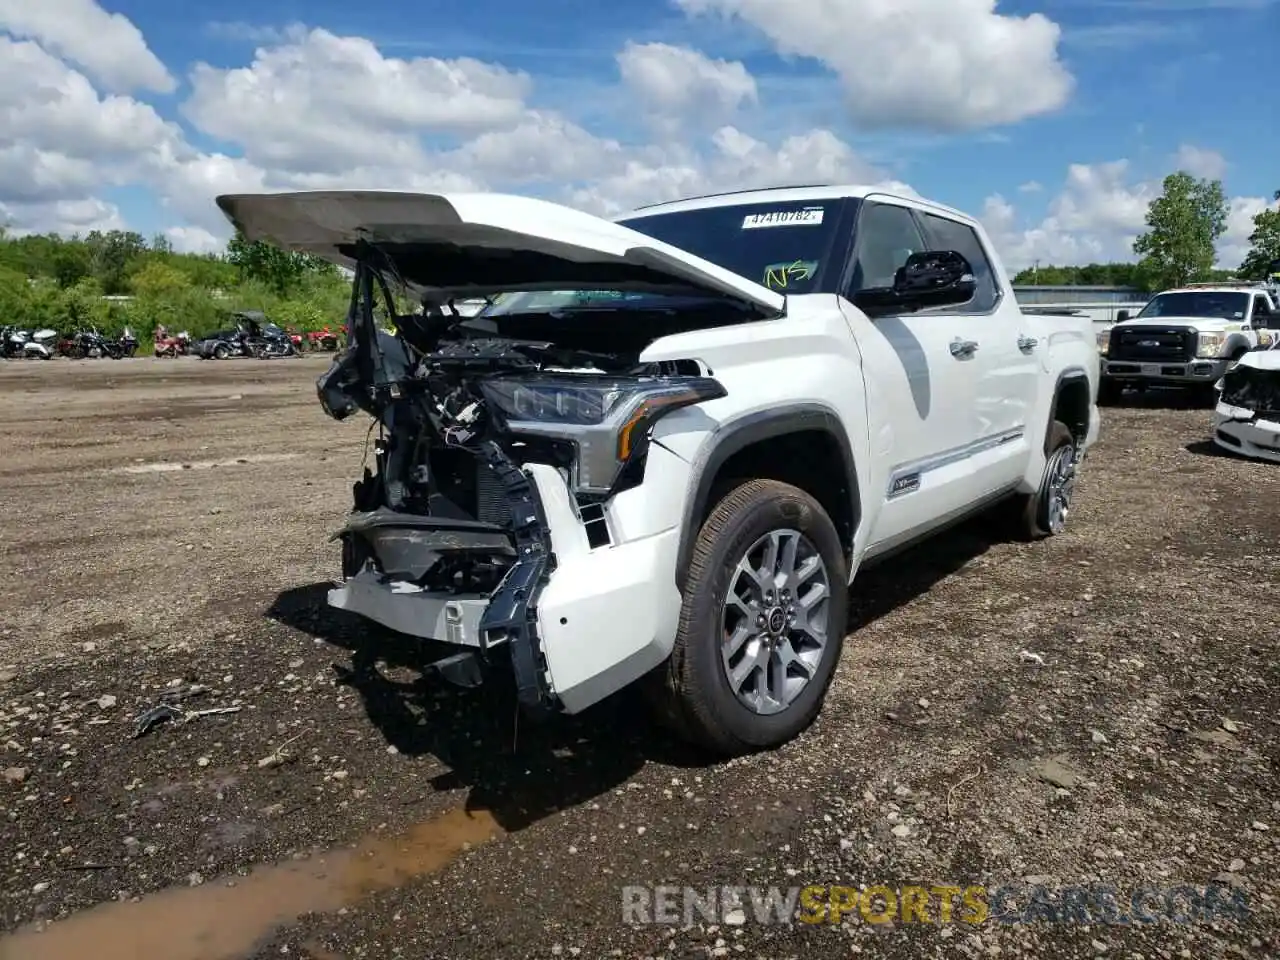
<point x="252" y="336"/>
<point x="18" y="344"/>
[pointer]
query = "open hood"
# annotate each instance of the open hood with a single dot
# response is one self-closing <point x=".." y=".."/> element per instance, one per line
<point x="474" y="244"/>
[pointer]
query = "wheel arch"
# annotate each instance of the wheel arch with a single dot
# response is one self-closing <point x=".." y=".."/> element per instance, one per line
<point x="747" y="442"/>
<point x="1071" y="401"/>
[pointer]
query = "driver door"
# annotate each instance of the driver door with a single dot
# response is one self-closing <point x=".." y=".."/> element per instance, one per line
<point x="921" y="377"/>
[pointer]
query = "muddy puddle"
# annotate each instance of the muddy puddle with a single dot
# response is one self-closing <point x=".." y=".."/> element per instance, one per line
<point x="224" y="919"/>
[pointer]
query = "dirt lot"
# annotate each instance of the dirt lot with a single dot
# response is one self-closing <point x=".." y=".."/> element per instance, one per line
<point x="1100" y="708"/>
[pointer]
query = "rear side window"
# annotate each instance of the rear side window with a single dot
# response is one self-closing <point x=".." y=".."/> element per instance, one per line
<point x="944" y="234"/>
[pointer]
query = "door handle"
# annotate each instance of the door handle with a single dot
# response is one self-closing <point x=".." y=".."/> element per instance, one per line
<point x="1027" y="344"/>
<point x="963" y="348"/>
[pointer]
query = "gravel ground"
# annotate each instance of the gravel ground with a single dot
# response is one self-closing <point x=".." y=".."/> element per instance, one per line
<point x="1099" y="708"/>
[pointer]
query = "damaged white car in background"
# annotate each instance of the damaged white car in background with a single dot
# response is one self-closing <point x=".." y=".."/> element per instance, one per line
<point x="1247" y="418"/>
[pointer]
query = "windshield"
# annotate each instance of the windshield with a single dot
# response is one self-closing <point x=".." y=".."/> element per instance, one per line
<point x="784" y="246"/>
<point x="1224" y="305"/>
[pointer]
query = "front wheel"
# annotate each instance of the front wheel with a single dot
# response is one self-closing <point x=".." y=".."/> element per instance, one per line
<point x="221" y="352"/>
<point x="762" y="624"/>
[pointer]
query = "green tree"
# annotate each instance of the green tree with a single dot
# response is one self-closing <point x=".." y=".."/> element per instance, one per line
<point x="14" y="299"/>
<point x="71" y="263"/>
<point x="1264" y="245"/>
<point x="1183" y="224"/>
<point x="155" y="280"/>
<point x="114" y="253"/>
<point x="281" y="270"/>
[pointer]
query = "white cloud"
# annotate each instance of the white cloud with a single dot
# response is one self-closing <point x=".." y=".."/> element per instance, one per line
<point x="940" y="64"/>
<point x="1207" y="164"/>
<point x="321" y="103"/>
<point x="65" y="217"/>
<point x="194" y="240"/>
<point x="676" y="84"/>
<point x="1096" y="217"/>
<point x="49" y="106"/>
<point x="736" y="161"/>
<point x="1031" y="186"/>
<point x="107" y="45"/>
<point x="542" y="147"/>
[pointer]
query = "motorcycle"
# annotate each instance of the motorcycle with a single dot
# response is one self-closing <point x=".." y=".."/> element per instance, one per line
<point x="322" y="340"/>
<point x="127" y="343"/>
<point x="270" y="348"/>
<point x="178" y="345"/>
<point x="32" y="346"/>
<point x="11" y="341"/>
<point x="87" y="344"/>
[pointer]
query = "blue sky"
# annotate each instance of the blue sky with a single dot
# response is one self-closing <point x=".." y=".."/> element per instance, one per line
<point x="1151" y="82"/>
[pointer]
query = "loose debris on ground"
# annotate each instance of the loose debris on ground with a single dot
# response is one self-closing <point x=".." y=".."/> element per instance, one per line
<point x="1101" y="707"/>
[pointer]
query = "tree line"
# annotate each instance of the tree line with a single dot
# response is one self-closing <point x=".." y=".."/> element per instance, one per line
<point x="1183" y="225"/>
<point x="61" y="283"/>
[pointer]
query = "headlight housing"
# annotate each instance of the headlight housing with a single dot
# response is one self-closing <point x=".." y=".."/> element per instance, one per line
<point x="1104" y="341"/>
<point x="1210" y="344"/>
<point x="607" y="419"/>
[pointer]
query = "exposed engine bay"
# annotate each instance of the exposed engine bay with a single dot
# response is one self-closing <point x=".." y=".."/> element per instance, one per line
<point x="461" y="404"/>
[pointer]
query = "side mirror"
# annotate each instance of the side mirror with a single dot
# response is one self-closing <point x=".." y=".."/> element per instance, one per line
<point x="1122" y="316"/>
<point x="937" y="278"/>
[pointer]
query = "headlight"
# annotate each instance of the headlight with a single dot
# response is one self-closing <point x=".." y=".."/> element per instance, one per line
<point x="1210" y="344"/>
<point x="607" y="419"/>
<point x="1104" y="341"/>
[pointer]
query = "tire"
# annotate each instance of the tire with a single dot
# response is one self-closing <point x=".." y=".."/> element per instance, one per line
<point x="1045" y="512"/>
<point x="1109" y="392"/>
<point x="692" y="690"/>
<point x="220" y="352"/>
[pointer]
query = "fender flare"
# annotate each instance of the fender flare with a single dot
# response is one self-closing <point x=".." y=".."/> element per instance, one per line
<point x="1070" y="374"/>
<point x="738" y="434"/>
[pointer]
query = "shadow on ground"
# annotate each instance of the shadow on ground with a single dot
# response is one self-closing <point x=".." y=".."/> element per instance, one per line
<point x="522" y="771"/>
<point x="1207" y="448"/>
<point x="1164" y="398"/>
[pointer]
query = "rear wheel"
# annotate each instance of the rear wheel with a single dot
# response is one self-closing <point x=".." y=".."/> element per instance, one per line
<point x="220" y="352"/>
<point x="1045" y="512"/>
<point x="762" y="623"/>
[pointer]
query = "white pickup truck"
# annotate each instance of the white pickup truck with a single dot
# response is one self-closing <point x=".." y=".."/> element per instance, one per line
<point x="1187" y="337"/>
<point x="668" y="445"/>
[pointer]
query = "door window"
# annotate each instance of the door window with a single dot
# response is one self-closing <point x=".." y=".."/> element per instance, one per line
<point x="887" y="235"/>
<point x="947" y="234"/>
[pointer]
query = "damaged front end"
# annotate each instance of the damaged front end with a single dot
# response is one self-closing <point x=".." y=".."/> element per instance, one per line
<point x="493" y="454"/>
<point x="1247" y="418"/>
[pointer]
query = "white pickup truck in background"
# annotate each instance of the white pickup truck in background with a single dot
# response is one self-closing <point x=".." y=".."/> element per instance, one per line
<point x="1187" y="337"/>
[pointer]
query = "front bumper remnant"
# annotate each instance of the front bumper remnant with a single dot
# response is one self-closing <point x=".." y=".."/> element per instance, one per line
<point x="1241" y="432"/>
<point x="512" y="612"/>
<point x="411" y="610"/>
